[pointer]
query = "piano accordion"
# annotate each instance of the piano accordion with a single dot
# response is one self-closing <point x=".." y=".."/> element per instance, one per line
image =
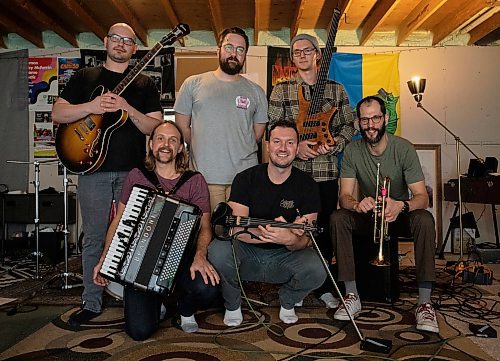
<point x="154" y="238"/>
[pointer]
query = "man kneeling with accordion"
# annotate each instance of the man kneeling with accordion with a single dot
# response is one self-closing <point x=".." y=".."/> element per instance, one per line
<point x="153" y="242"/>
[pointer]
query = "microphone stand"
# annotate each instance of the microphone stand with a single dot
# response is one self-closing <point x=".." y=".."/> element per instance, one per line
<point x="66" y="273"/>
<point x="458" y="141"/>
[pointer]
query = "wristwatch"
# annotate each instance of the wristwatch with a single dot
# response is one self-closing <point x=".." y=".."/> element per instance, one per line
<point x="406" y="207"/>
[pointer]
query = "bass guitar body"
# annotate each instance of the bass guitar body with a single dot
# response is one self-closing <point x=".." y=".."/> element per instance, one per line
<point x="314" y="127"/>
<point x="82" y="145"/>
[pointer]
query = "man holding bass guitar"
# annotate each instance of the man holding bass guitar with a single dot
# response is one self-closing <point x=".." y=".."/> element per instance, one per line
<point x="139" y="108"/>
<point x="296" y="99"/>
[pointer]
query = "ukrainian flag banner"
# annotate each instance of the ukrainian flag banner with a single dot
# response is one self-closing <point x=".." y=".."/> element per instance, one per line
<point x="370" y="74"/>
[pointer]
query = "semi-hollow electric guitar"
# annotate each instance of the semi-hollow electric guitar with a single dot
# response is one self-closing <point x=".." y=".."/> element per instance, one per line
<point x="312" y="123"/>
<point x="82" y="145"/>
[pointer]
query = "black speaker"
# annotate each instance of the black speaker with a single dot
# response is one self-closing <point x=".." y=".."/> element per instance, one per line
<point x="491" y="164"/>
<point x="376" y="283"/>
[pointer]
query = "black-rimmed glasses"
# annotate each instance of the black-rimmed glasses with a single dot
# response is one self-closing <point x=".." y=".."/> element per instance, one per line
<point x="115" y="38"/>
<point x="307" y="51"/>
<point x="375" y="119"/>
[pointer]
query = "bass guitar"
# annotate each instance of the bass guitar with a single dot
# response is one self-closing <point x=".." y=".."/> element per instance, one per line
<point x="222" y="216"/>
<point x="82" y="145"/>
<point x="312" y="123"/>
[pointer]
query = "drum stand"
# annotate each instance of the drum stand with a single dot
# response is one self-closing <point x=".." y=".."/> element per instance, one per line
<point x="66" y="274"/>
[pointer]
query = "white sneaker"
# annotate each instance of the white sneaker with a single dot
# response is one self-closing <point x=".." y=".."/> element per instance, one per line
<point x="189" y="324"/>
<point x="329" y="300"/>
<point x="353" y="304"/>
<point x="233" y="318"/>
<point x="299" y="304"/>
<point x="288" y="316"/>
<point x="426" y="318"/>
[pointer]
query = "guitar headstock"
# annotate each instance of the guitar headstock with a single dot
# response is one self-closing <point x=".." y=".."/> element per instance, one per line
<point x="178" y="32"/>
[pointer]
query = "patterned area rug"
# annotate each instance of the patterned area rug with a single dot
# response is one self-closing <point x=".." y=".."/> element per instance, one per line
<point x="315" y="336"/>
<point x="263" y="336"/>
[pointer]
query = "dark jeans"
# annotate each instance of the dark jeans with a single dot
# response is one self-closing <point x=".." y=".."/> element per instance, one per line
<point x="419" y="224"/>
<point x="142" y="309"/>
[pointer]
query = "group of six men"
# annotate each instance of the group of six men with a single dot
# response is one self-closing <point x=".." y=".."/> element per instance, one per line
<point x="222" y="116"/>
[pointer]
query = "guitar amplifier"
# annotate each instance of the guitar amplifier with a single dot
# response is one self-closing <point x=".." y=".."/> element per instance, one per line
<point x="20" y="208"/>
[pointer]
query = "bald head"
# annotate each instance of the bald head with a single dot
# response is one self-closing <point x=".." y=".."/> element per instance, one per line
<point x="120" y="28"/>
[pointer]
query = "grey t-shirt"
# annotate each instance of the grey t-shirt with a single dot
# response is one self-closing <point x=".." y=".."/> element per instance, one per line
<point x="399" y="162"/>
<point x="222" y="118"/>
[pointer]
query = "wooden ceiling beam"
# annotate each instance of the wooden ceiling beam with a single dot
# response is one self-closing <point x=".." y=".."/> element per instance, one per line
<point x="172" y="16"/>
<point x="377" y="15"/>
<point x="216" y="18"/>
<point x="297" y="16"/>
<point x="77" y="11"/>
<point x="32" y="35"/>
<point x="459" y="13"/>
<point x="31" y="9"/>
<point x="262" y="18"/>
<point x="484" y="28"/>
<point x="132" y="20"/>
<point x="423" y="11"/>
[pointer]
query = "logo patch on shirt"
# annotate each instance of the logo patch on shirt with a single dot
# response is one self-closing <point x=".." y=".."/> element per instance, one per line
<point x="242" y="102"/>
<point x="287" y="204"/>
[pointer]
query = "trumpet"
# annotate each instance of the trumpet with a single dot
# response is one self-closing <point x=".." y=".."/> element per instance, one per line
<point x="380" y="225"/>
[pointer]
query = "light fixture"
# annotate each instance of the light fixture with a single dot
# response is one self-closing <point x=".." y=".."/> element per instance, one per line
<point x="417" y="88"/>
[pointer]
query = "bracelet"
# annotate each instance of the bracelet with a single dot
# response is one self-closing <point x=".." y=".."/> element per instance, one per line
<point x="406" y="207"/>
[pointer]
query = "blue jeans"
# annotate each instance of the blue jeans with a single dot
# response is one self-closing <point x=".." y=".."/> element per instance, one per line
<point x="96" y="193"/>
<point x="299" y="272"/>
<point x="142" y="309"/>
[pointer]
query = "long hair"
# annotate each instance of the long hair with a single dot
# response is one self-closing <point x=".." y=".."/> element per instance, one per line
<point x="181" y="158"/>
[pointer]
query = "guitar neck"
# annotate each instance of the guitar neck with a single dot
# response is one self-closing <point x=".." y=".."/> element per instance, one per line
<point x="324" y="68"/>
<point x="247" y="222"/>
<point x="137" y="69"/>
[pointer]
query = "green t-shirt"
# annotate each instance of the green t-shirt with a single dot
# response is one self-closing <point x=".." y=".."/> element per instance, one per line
<point x="399" y="162"/>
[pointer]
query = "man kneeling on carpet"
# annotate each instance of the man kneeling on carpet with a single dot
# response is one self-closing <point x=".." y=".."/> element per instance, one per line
<point x="273" y="191"/>
<point x="198" y="284"/>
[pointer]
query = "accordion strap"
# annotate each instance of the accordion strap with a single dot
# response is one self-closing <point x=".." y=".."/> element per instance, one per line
<point x="153" y="178"/>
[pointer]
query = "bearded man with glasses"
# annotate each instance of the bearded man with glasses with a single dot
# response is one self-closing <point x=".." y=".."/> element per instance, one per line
<point x="406" y="216"/>
<point x="126" y="150"/>
<point x="320" y="163"/>
<point x="222" y="116"/>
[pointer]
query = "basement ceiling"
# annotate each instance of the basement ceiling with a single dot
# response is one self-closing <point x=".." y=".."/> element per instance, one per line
<point x="270" y="22"/>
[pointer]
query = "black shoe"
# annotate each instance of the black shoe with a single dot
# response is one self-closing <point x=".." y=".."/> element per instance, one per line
<point x="82" y="316"/>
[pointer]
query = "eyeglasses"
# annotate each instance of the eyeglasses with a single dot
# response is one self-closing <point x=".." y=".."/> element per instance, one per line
<point x="375" y="119"/>
<point x="307" y="51"/>
<point x="115" y="38"/>
<point x="229" y="48"/>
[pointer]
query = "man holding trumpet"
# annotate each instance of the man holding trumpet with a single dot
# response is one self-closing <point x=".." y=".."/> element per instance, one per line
<point x="376" y="156"/>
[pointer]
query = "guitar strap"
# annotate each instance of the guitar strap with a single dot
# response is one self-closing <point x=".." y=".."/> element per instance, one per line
<point x="153" y="178"/>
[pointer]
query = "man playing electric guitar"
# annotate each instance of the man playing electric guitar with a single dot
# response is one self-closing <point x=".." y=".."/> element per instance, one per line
<point x="290" y="100"/>
<point x="140" y="104"/>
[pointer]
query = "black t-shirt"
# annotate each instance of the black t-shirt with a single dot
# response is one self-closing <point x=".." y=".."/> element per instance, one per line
<point x="127" y="145"/>
<point x="266" y="200"/>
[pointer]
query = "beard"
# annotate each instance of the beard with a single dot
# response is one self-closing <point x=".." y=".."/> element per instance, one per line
<point x="377" y="138"/>
<point x="230" y="68"/>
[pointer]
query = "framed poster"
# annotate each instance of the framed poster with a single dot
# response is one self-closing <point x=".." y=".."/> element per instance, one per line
<point x="430" y="160"/>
